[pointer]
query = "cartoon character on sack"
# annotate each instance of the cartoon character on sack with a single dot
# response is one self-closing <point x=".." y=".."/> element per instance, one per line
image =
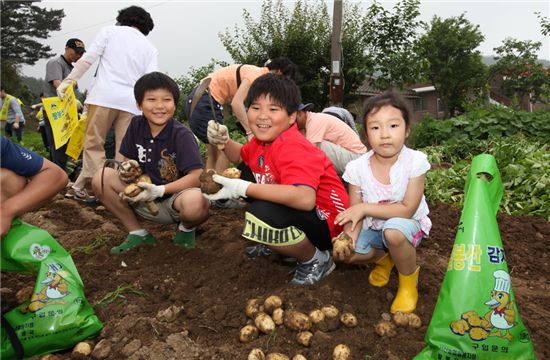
<point x="55" y="289"/>
<point x="497" y="321"/>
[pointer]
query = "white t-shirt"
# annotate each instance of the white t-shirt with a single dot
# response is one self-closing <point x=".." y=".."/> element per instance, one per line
<point x="125" y="55"/>
<point x="409" y="164"/>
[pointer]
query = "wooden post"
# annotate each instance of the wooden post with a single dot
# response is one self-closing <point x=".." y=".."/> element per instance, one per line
<point x="336" y="76"/>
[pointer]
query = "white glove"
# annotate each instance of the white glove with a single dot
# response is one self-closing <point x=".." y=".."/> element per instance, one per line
<point x="232" y="188"/>
<point x="150" y="192"/>
<point x="62" y="88"/>
<point x="79" y="69"/>
<point x="217" y="133"/>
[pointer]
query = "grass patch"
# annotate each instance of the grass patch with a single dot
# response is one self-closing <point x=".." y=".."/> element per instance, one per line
<point x="99" y="241"/>
<point x="119" y="293"/>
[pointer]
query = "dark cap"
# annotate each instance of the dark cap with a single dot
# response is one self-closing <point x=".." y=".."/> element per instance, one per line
<point x="77" y="45"/>
<point x="305" y="107"/>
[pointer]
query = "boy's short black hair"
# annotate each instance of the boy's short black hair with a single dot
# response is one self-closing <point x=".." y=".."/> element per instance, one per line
<point x="392" y="98"/>
<point x="280" y="89"/>
<point x="155" y="80"/>
<point x="287" y="67"/>
<point x="136" y="16"/>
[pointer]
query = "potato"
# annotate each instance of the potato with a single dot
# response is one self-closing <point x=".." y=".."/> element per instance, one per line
<point x="278" y="316"/>
<point x="296" y="320"/>
<point x="477" y="333"/>
<point x="341" y="352"/>
<point x="459" y="327"/>
<point x="82" y="349"/>
<point x="401" y="319"/>
<point x="252" y="308"/>
<point x="132" y="190"/>
<point x="304" y="338"/>
<point x="24" y="294"/>
<point x="248" y="333"/>
<point x="232" y="173"/>
<point x="316" y="316"/>
<point x="299" y="357"/>
<point x="348" y="319"/>
<point x="385" y="328"/>
<point x="414" y="321"/>
<point x="256" y="354"/>
<point x="209" y="186"/>
<point x="342" y="245"/>
<point x="276" y="356"/>
<point x="265" y="323"/>
<point x="331" y="321"/>
<point x="271" y="303"/>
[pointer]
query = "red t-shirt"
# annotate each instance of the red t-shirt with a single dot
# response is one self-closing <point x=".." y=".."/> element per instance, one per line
<point x="292" y="160"/>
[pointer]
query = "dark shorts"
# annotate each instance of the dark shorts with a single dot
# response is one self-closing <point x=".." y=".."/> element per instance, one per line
<point x="202" y="114"/>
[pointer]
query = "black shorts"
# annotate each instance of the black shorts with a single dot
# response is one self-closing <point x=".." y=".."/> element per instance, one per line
<point x="202" y="114"/>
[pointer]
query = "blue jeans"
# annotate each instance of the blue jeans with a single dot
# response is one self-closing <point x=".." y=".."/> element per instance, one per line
<point x="370" y="239"/>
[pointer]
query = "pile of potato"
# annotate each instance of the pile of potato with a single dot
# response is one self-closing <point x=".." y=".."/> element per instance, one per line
<point x="386" y="328"/>
<point x="270" y="314"/>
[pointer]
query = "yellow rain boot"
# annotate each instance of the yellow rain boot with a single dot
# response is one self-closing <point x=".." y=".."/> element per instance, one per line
<point x="407" y="293"/>
<point x="380" y="275"/>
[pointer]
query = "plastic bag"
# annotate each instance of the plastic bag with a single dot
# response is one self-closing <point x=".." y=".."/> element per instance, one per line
<point x="476" y="315"/>
<point x="57" y="316"/>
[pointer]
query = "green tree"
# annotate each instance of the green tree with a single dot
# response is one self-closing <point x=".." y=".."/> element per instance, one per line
<point x="22" y="23"/>
<point x="390" y="43"/>
<point x="521" y="73"/>
<point x="544" y="24"/>
<point x="451" y="62"/>
<point x="302" y="34"/>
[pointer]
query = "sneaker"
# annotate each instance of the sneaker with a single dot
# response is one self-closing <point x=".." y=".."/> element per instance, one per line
<point x="185" y="239"/>
<point x="256" y="251"/>
<point x="80" y="195"/>
<point x="228" y="204"/>
<point x="312" y="272"/>
<point x="133" y="241"/>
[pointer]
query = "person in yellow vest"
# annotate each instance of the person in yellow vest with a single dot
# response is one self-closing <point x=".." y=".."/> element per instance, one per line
<point x="11" y="113"/>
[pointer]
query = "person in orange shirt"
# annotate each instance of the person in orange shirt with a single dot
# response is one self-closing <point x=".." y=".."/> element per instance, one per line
<point x="229" y="85"/>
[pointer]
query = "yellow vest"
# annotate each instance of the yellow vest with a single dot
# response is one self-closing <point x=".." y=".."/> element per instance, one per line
<point x="6" y="106"/>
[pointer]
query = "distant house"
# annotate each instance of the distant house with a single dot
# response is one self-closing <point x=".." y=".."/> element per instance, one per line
<point x="422" y="98"/>
<point x="497" y="96"/>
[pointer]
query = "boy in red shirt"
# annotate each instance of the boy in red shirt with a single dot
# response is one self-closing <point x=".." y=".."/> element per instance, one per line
<point x="293" y="187"/>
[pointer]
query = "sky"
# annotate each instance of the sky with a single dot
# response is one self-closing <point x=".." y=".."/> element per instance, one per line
<point x="186" y="32"/>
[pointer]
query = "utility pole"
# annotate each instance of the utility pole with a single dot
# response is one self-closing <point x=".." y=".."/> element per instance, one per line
<point x="336" y="77"/>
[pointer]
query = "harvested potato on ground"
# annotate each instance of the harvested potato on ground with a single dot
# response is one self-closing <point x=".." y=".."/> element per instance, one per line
<point x="316" y="316"/>
<point x="385" y="328"/>
<point x="265" y="323"/>
<point x="248" y="333"/>
<point x="252" y="308"/>
<point x="232" y="173"/>
<point x="276" y="356"/>
<point x="401" y="319"/>
<point x="341" y="352"/>
<point x="299" y="357"/>
<point x="256" y="354"/>
<point x="304" y="338"/>
<point x="348" y="319"/>
<point x="24" y="294"/>
<point x="209" y="186"/>
<point x="341" y="246"/>
<point x="331" y="321"/>
<point x="296" y="320"/>
<point x="414" y="321"/>
<point x="278" y="316"/>
<point x="271" y="303"/>
<point x="82" y="349"/>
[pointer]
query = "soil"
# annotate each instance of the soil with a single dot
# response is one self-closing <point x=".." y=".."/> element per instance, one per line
<point x="193" y="301"/>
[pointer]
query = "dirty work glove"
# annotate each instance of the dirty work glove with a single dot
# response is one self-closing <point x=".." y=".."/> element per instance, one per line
<point x="232" y="188"/>
<point x="79" y="69"/>
<point x="62" y="88"/>
<point x="150" y="192"/>
<point x="129" y="171"/>
<point x="217" y="134"/>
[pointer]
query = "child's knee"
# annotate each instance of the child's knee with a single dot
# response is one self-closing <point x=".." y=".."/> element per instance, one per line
<point x="103" y="178"/>
<point x="394" y="237"/>
<point x="192" y="205"/>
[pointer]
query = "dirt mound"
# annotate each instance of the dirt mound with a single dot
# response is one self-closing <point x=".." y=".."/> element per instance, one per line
<point x="163" y="302"/>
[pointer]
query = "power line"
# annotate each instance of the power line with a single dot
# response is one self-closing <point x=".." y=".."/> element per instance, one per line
<point x="102" y="22"/>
